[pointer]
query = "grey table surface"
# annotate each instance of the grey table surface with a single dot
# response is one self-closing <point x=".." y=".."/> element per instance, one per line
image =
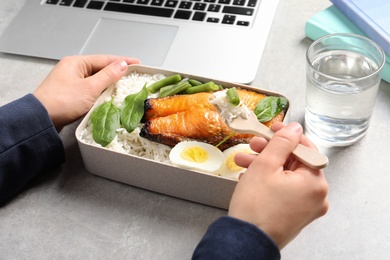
<point x="72" y="214"/>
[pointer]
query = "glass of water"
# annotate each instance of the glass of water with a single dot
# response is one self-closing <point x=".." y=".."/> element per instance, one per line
<point x="343" y="73"/>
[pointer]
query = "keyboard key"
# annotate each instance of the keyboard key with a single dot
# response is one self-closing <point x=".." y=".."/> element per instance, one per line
<point x="135" y="9"/>
<point x="242" y="23"/>
<point x="157" y="2"/>
<point x="210" y="1"/>
<point x="171" y="3"/>
<point x="143" y="2"/>
<point x="214" y="8"/>
<point x="80" y="3"/>
<point x="225" y="2"/>
<point x="66" y="2"/>
<point x="97" y="5"/>
<point x="185" y="5"/>
<point x="238" y="10"/>
<point x="239" y="2"/>
<point x="199" y="16"/>
<point x="52" y="2"/>
<point x="200" y="6"/>
<point x="183" y="14"/>
<point x="229" y="19"/>
<point x="129" y="1"/>
<point x="212" y="20"/>
<point x="252" y="3"/>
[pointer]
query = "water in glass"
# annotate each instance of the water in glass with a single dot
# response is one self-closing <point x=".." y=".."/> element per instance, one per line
<point x="338" y="108"/>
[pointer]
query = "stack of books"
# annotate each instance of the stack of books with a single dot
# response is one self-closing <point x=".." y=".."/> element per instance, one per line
<point x="370" y="18"/>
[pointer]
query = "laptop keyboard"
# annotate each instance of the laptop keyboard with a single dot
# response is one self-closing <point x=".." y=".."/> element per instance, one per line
<point x="229" y="12"/>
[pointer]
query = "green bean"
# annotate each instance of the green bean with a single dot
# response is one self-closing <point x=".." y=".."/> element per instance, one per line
<point x="206" y="87"/>
<point x="156" y="86"/>
<point x="233" y="97"/>
<point x="174" y="89"/>
<point x="165" y="88"/>
<point x="194" y="82"/>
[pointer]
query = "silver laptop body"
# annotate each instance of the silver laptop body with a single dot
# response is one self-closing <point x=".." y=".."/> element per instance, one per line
<point x="211" y="45"/>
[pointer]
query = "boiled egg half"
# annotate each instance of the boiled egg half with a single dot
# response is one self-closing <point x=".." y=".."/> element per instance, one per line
<point x="197" y="156"/>
<point x="229" y="168"/>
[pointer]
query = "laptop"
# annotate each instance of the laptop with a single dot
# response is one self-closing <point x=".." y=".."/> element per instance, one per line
<point x="220" y="39"/>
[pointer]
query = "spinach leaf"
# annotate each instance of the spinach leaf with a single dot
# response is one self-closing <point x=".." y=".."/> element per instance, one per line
<point x="105" y="121"/>
<point x="269" y="107"/>
<point x="133" y="109"/>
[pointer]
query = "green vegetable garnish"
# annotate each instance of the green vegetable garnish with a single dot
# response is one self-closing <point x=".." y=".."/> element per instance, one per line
<point x="156" y="86"/>
<point x="194" y="82"/>
<point x="269" y="107"/>
<point x="174" y="89"/>
<point x="206" y="87"/>
<point x="225" y="139"/>
<point x="233" y="97"/>
<point x="105" y="121"/>
<point x="133" y="109"/>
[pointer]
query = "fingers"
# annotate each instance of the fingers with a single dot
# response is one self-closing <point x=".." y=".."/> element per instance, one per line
<point x="277" y="126"/>
<point x="304" y="140"/>
<point x="109" y="73"/>
<point x="244" y="159"/>
<point x="257" y="144"/>
<point x="98" y="62"/>
<point x="281" y="146"/>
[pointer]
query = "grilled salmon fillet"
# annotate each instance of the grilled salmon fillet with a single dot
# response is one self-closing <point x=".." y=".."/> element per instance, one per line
<point x="158" y="107"/>
<point x="178" y="118"/>
<point x="196" y="123"/>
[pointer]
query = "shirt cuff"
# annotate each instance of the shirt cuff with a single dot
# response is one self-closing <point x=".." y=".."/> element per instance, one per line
<point x="231" y="238"/>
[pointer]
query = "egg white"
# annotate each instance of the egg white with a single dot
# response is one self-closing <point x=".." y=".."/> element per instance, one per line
<point x="233" y="172"/>
<point x="211" y="165"/>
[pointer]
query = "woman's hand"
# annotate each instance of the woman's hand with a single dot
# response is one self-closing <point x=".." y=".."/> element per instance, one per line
<point x="72" y="87"/>
<point x="278" y="193"/>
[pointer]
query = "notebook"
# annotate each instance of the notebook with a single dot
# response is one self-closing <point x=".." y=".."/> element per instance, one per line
<point x="221" y="39"/>
<point x="371" y="16"/>
<point x="331" y="20"/>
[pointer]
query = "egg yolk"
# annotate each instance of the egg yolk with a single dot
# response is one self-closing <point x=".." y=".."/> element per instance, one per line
<point x="194" y="154"/>
<point x="231" y="165"/>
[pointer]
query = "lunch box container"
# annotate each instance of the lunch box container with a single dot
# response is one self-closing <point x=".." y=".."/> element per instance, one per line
<point x="154" y="176"/>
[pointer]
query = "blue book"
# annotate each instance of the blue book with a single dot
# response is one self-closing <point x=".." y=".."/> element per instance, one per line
<point x="371" y="16"/>
<point x="332" y="20"/>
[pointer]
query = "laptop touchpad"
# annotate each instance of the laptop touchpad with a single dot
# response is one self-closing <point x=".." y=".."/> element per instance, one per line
<point x="146" y="41"/>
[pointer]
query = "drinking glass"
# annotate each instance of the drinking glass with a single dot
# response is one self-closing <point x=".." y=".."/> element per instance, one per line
<point x="343" y="72"/>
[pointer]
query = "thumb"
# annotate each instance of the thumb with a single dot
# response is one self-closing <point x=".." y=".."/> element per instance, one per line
<point x="108" y="75"/>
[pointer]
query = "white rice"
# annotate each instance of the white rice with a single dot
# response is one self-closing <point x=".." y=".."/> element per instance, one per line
<point x="131" y="143"/>
<point x="226" y="110"/>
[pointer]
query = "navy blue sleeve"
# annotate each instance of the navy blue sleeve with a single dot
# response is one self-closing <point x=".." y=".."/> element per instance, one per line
<point x="231" y="238"/>
<point x="29" y="144"/>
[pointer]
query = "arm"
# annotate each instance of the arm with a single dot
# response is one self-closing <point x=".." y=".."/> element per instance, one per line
<point x="232" y="238"/>
<point x="273" y="201"/>
<point x="29" y="142"/>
